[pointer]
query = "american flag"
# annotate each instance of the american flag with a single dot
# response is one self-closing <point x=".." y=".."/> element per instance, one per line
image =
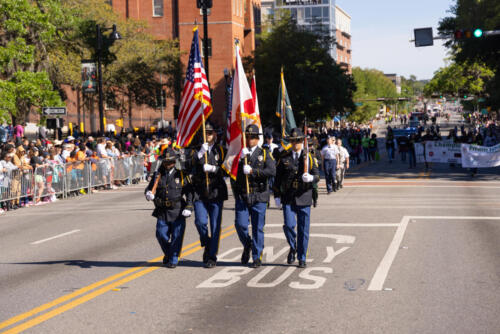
<point x="195" y="97"/>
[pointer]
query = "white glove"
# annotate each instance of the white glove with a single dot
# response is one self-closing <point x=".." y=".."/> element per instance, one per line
<point x="203" y="149"/>
<point x="209" y="168"/>
<point x="150" y="196"/>
<point x="186" y="213"/>
<point x="277" y="201"/>
<point x="307" y="178"/>
<point x="245" y="151"/>
<point x="247" y="169"/>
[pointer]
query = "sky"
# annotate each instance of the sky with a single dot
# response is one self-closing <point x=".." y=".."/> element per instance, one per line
<point x="381" y="30"/>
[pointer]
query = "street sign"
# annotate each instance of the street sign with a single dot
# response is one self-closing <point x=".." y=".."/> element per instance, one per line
<point x="54" y="111"/>
<point x="358" y="104"/>
<point x="423" y="37"/>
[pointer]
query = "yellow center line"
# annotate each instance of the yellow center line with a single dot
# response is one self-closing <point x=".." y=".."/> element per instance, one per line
<point x="90" y="287"/>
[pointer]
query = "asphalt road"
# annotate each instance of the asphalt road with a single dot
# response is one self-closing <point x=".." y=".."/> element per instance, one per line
<point x="395" y="251"/>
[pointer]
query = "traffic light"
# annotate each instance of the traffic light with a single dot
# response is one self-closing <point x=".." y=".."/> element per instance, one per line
<point x="199" y="3"/>
<point x="467" y="33"/>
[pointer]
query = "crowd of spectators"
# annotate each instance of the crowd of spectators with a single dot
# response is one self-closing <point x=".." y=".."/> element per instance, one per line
<point x="31" y="169"/>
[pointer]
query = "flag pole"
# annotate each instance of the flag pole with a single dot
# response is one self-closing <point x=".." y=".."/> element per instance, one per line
<point x="244" y="122"/>
<point x="204" y="141"/>
<point x="245" y="145"/>
<point x="283" y="107"/>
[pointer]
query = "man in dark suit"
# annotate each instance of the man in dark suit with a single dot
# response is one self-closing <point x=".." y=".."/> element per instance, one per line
<point x="297" y="173"/>
<point x="251" y="191"/>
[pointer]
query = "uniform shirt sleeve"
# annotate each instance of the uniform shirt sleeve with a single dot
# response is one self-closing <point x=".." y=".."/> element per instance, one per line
<point x="313" y="169"/>
<point x="269" y="166"/>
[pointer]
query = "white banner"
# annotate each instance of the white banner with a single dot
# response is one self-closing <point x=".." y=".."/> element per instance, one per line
<point x="474" y="156"/>
<point x="443" y="151"/>
<point x="419" y="152"/>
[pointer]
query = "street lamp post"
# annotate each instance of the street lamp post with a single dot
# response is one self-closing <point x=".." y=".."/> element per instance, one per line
<point x="115" y="35"/>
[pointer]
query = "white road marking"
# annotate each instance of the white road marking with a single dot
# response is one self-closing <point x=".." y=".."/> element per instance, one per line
<point x="340" y="239"/>
<point x="383" y="268"/>
<point x="54" y="237"/>
<point x="331" y="253"/>
<point x="380" y="275"/>
<point x="340" y="225"/>
<point x="455" y="217"/>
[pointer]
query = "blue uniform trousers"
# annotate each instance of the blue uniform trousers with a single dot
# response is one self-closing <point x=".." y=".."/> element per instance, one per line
<point x="202" y="211"/>
<point x="257" y="215"/>
<point x="297" y="241"/>
<point x="330" y="167"/>
<point x="170" y="236"/>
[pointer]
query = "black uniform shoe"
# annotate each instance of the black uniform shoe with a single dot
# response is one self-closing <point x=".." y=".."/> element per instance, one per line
<point x="341" y="186"/>
<point x="256" y="263"/>
<point x="165" y="260"/>
<point x="291" y="256"/>
<point x="205" y="255"/>
<point x="302" y="264"/>
<point x="245" y="257"/>
<point x="171" y="265"/>
<point x="210" y="264"/>
<point x="335" y="188"/>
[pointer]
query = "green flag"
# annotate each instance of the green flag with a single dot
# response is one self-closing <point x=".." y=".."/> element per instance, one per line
<point x="285" y="113"/>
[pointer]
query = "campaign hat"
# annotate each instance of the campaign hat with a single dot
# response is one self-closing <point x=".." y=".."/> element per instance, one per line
<point x="295" y="134"/>
<point x="169" y="155"/>
<point x="252" y="130"/>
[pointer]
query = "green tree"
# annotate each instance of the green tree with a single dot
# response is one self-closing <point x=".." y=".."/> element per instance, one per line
<point x="318" y="88"/>
<point x="471" y="14"/>
<point x="28" y="30"/>
<point x="460" y="78"/>
<point x="132" y="66"/>
<point x="371" y="84"/>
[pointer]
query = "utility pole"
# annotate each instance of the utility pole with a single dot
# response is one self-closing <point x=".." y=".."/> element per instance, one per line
<point x="205" y="7"/>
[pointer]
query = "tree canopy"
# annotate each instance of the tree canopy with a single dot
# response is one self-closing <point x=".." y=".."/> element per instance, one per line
<point x="370" y="84"/>
<point x="484" y="51"/>
<point x="29" y="29"/>
<point x="460" y="78"/>
<point x="318" y="88"/>
<point x="42" y="44"/>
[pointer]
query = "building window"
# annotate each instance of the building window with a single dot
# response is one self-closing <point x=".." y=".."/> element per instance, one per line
<point x="157" y="7"/>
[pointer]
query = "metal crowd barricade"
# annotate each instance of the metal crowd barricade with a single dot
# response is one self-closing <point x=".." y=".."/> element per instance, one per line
<point x="100" y="172"/>
<point x="76" y="176"/>
<point x="137" y="168"/>
<point x="16" y="185"/>
<point x="121" y="172"/>
<point x="52" y="180"/>
<point x="49" y="181"/>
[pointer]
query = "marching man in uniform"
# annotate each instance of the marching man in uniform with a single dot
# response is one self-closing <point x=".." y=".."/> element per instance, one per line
<point x="343" y="164"/>
<point x="251" y="201"/>
<point x="209" y="200"/>
<point x="330" y="157"/>
<point x="170" y="190"/>
<point x="294" y="184"/>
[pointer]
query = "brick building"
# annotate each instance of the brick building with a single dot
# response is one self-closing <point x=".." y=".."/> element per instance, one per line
<point x="175" y="19"/>
<point x="343" y="38"/>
